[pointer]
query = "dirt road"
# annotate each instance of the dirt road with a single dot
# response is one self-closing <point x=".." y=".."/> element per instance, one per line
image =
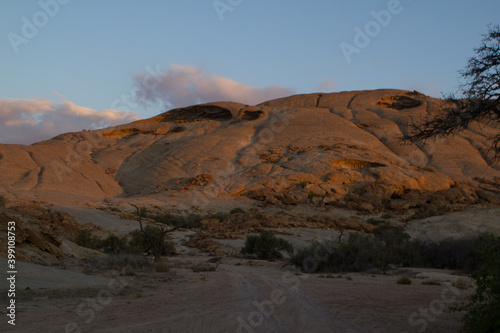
<point x="240" y="296"/>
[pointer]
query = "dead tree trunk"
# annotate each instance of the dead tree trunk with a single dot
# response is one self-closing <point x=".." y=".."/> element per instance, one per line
<point x="156" y="245"/>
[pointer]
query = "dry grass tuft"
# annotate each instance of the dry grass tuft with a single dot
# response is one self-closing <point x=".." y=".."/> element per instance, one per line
<point x="404" y="280"/>
<point x="431" y="283"/>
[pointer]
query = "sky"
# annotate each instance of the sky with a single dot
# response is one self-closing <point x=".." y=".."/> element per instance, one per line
<point x="69" y="65"/>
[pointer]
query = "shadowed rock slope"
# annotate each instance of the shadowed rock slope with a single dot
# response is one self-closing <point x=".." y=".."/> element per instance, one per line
<point x="339" y="149"/>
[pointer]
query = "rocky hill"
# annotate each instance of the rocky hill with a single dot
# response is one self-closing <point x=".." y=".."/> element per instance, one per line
<point x="337" y="149"/>
<point x="311" y="168"/>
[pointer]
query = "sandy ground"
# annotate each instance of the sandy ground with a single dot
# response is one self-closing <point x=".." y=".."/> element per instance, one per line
<point x="240" y="296"/>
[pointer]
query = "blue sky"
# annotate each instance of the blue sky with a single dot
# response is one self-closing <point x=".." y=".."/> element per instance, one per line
<point x="86" y="55"/>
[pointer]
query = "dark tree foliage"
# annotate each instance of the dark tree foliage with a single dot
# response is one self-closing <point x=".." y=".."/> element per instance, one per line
<point x="266" y="246"/>
<point x="478" y="100"/>
<point x="482" y="309"/>
<point x="155" y="238"/>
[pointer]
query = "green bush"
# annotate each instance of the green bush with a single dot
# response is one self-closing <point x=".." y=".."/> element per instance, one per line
<point x="396" y="247"/>
<point x="115" y="245"/>
<point x="374" y="221"/>
<point x="85" y="239"/>
<point x="459" y="254"/>
<point x="387" y="245"/>
<point x="359" y="253"/>
<point x="140" y="244"/>
<point x="431" y="283"/>
<point x="483" y="308"/>
<point x="403" y="280"/>
<point x="219" y="216"/>
<point x="390" y="245"/>
<point x="266" y="246"/>
<point x="128" y="271"/>
<point x="237" y="210"/>
<point x="461" y="284"/>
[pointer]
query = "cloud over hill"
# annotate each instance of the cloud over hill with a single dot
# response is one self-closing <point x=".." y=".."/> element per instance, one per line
<point x="25" y="121"/>
<point x="184" y="85"/>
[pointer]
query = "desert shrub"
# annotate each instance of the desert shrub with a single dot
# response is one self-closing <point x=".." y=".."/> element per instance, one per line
<point x="163" y="218"/>
<point x="317" y="257"/>
<point x="359" y="253"/>
<point x="140" y="244"/>
<point x="111" y="245"/>
<point x="431" y="283"/>
<point x="118" y="262"/>
<point x="85" y="239"/>
<point x="396" y="247"/>
<point x="403" y="280"/>
<point x="161" y="267"/>
<point x="115" y="245"/>
<point x="203" y="267"/>
<point x="387" y="245"/>
<point x="459" y="254"/>
<point x="266" y="246"/>
<point x="190" y="221"/>
<point x="169" y="248"/>
<point x="219" y="216"/>
<point x="482" y="309"/>
<point x="374" y="221"/>
<point x="181" y="221"/>
<point x="141" y="211"/>
<point x="128" y="271"/>
<point x="237" y="210"/>
<point x="461" y="284"/>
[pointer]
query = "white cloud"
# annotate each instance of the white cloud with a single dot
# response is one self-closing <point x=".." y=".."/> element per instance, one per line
<point x="25" y="121"/>
<point x="187" y="85"/>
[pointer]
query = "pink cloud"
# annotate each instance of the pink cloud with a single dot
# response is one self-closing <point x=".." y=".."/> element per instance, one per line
<point x="327" y="85"/>
<point x="25" y="121"/>
<point x="187" y="85"/>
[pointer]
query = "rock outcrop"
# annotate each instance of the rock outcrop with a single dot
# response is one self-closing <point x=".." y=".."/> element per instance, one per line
<point x="338" y="149"/>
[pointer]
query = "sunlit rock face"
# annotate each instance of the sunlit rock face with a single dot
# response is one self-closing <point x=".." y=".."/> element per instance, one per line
<point x="339" y="149"/>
